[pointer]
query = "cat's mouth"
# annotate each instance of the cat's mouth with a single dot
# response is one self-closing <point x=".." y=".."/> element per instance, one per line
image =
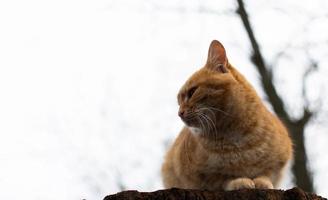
<point x="200" y="122"/>
<point x="191" y="121"/>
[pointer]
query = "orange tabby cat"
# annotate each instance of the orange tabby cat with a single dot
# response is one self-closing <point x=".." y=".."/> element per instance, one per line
<point x="230" y="140"/>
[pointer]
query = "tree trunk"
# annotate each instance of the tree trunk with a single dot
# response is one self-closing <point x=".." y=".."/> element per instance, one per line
<point x="303" y="178"/>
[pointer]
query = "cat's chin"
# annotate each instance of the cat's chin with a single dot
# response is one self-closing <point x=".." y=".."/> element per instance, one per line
<point x="195" y="131"/>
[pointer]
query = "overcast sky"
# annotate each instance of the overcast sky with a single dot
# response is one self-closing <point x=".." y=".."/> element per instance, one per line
<point x="88" y="88"/>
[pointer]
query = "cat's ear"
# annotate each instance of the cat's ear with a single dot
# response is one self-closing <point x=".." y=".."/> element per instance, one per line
<point x="217" y="59"/>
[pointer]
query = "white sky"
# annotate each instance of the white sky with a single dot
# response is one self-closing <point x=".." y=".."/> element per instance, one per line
<point x="88" y="88"/>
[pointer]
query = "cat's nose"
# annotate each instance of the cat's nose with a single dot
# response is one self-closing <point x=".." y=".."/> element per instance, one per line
<point x="181" y="113"/>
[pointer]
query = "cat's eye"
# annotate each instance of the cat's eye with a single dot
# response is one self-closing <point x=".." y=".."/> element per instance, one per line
<point x="191" y="91"/>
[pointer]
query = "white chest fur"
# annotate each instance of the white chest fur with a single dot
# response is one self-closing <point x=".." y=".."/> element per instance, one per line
<point x="195" y="131"/>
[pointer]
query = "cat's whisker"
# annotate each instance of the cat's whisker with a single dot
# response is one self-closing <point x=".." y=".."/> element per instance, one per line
<point x="202" y="125"/>
<point x="211" y="123"/>
<point x="203" y="122"/>
<point x="219" y="110"/>
<point x="214" y="109"/>
<point x="210" y="111"/>
<point x="207" y="125"/>
<point x="201" y="117"/>
<point x="206" y="109"/>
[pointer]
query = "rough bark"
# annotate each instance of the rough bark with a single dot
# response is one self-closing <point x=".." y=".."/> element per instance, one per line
<point x="302" y="174"/>
<point x="186" y="194"/>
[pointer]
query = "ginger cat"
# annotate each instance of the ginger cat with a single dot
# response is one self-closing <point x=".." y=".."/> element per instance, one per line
<point x="230" y="139"/>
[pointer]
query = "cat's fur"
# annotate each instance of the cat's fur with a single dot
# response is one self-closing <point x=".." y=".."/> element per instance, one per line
<point x="230" y="140"/>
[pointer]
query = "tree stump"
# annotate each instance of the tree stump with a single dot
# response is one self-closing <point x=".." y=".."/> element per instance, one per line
<point x="188" y="194"/>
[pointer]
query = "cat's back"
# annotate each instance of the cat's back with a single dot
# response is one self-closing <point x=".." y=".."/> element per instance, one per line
<point x="266" y="120"/>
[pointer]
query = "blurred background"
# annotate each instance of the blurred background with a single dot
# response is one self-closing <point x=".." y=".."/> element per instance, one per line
<point x="88" y="88"/>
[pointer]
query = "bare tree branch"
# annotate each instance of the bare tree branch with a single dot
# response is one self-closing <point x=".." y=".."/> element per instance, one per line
<point x="258" y="61"/>
<point x="307" y="113"/>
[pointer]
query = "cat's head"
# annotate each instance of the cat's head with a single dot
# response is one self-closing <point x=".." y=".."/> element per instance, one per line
<point x="207" y="95"/>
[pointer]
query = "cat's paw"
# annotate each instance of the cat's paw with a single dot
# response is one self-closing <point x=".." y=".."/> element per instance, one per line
<point x="239" y="183"/>
<point x="263" y="183"/>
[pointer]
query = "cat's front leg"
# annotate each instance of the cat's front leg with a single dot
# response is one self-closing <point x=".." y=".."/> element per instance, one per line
<point x="169" y="177"/>
<point x="239" y="183"/>
<point x="263" y="182"/>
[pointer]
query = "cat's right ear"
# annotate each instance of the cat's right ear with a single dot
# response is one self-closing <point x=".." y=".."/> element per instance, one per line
<point x="217" y="59"/>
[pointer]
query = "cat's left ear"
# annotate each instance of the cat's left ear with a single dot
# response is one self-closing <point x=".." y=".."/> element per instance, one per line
<point x="217" y="59"/>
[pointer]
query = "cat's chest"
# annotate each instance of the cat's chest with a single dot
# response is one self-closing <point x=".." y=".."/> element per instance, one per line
<point x="216" y="162"/>
<point x="232" y="163"/>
